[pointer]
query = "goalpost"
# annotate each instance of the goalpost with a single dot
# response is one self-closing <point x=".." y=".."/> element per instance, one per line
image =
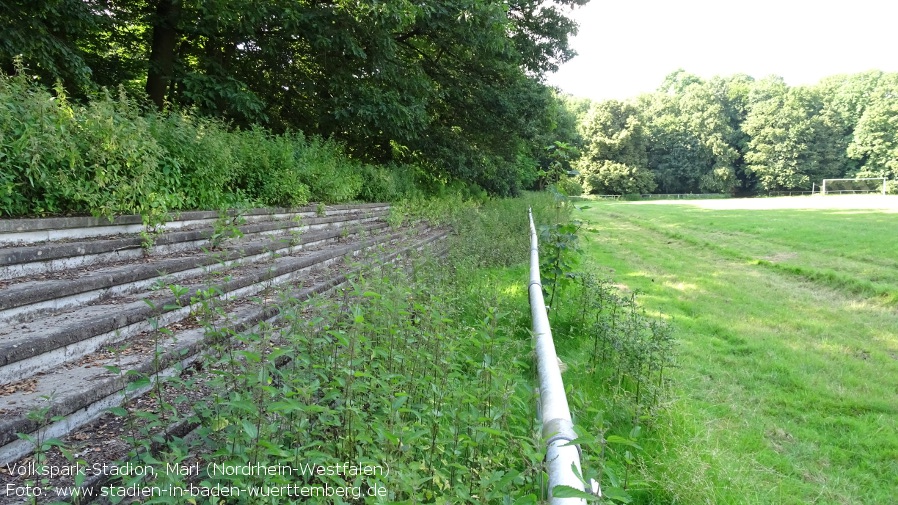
<point x="854" y="186"/>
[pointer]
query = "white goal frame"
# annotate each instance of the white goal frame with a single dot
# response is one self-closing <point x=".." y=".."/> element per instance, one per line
<point x="883" y="179"/>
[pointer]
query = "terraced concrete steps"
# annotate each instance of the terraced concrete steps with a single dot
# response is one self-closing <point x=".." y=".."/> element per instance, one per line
<point x="20" y="255"/>
<point x="22" y="300"/>
<point x="30" y="231"/>
<point x="63" y="327"/>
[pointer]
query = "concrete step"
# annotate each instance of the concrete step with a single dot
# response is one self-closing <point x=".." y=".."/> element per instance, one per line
<point x="53" y="256"/>
<point x="120" y="372"/>
<point x="32" y="231"/>
<point x="46" y="342"/>
<point x="87" y="315"/>
<point x="24" y="300"/>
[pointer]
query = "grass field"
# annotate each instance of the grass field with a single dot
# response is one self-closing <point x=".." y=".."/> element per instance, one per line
<point x="786" y="315"/>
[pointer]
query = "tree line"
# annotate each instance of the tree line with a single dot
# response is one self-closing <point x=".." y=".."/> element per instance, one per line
<point x="737" y="135"/>
<point x="451" y="86"/>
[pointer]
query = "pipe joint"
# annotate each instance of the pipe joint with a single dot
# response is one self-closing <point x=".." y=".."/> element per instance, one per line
<point x="559" y="429"/>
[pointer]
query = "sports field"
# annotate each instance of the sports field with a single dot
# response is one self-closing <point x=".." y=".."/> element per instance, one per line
<point x="786" y="313"/>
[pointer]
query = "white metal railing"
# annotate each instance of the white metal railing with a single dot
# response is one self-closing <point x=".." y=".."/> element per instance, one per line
<point x="554" y="412"/>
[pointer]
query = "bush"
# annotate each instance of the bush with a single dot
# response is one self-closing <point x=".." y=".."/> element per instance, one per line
<point x="62" y="158"/>
<point x="111" y="157"/>
<point x="37" y="147"/>
<point x="387" y="183"/>
<point x="329" y="172"/>
<point x="201" y="150"/>
<point x="267" y="168"/>
<point x="569" y="186"/>
<point x="611" y="178"/>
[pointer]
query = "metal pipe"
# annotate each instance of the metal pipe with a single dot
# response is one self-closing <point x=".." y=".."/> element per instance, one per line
<point x="555" y="414"/>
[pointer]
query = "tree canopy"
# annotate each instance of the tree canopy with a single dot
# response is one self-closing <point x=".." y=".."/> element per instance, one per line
<point x="740" y="135"/>
<point x="454" y="86"/>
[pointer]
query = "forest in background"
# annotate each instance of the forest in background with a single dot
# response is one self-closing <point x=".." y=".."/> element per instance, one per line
<point x="736" y="135"/>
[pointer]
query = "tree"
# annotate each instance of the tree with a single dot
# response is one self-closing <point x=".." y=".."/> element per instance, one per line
<point x="792" y="144"/>
<point x="613" y="131"/>
<point x="453" y="85"/>
<point x="613" y="159"/>
<point x="875" y="140"/>
<point x="162" y="49"/>
<point x="46" y="34"/>
<point x="733" y="94"/>
<point x="689" y="135"/>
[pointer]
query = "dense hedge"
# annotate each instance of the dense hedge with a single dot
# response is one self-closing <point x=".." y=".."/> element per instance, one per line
<point x="110" y="156"/>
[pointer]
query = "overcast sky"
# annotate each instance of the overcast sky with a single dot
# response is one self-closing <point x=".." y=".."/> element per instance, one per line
<point x="626" y="47"/>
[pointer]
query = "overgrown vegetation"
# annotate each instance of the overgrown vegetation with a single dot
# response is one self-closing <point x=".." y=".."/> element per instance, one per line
<point x="453" y="87"/>
<point x="421" y="369"/>
<point x="111" y="157"/>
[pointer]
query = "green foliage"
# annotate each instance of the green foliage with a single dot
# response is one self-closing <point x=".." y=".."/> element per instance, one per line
<point x="613" y="131"/>
<point x="611" y="178"/>
<point x="790" y="141"/>
<point x="559" y="252"/>
<point x="387" y="183"/>
<point x="109" y="157"/>
<point x="59" y="157"/>
<point x="421" y="370"/>
<point x="202" y="151"/>
<point x="569" y="186"/>
<point x="689" y="132"/>
<point x="735" y="135"/>
<point x="558" y="157"/>
<point x="329" y="174"/>
<point x="452" y="85"/>
<point x="875" y="140"/>
<point x="47" y="34"/>
<point x="226" y="227"/>
<point x="268" y="168"/>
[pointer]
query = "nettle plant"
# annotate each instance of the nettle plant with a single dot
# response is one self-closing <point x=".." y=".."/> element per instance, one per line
<point x="559" y="244"/>
<point x="418" y="369"/>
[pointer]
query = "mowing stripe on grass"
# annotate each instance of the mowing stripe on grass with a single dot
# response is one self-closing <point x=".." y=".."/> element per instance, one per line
<point x="787" y="386"/>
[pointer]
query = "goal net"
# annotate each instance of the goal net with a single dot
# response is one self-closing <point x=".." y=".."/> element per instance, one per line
<point x="854" y="186"/>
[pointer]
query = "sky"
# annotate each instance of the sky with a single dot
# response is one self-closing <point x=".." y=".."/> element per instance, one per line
<point x="627" y="47"/>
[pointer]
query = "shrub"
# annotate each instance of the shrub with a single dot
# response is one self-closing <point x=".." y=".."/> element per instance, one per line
<point x="611" y="178"/>
<point x="37" y="147"/>
<point x="201" y="150"/>
<point x="120" y="168"/>
<point x="267" y="168"/>
<point x="569" y="186"/>
<point x="63" y="158"/>
<point x="329" y="173"/>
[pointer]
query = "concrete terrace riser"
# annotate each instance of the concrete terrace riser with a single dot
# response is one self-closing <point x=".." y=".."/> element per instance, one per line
<point x="187" y="429"/>
<point x="22" y="359"/>
<point x="69" y="309"/>
<point x="28" y="231"/>
<point x="55" y="298"/>
<point x="78" y="406"/>
<point x="34" y="260"/>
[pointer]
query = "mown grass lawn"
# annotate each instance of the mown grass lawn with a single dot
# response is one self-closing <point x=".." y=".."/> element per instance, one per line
<point x="786" y="389"/>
